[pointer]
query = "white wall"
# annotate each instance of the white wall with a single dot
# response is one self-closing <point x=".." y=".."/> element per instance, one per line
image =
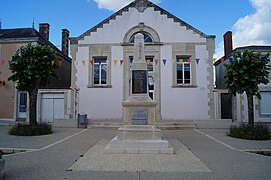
<point x="183" y="103"/>
<point x="176" y="103"/>
<point x="168" y="30"/>
<point x="101" y="103"/>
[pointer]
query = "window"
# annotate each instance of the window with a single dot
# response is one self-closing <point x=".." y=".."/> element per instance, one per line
<point x="22" y="101"/>
<point x="265" y="103"/>
<point x="151" y="87"/>
<point x="147" y="37"/>
<point x="100" y="71"/>
<point x="183" y="70"/>
<point x="149" y="61"/>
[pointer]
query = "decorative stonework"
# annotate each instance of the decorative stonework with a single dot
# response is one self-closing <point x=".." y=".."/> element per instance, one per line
<point x="141" y="5"/>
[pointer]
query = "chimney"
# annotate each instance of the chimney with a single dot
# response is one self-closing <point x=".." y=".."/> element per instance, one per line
<point x="227" y="43"/>
<point x="65" y="41"/>
<point x="44" y="30"/>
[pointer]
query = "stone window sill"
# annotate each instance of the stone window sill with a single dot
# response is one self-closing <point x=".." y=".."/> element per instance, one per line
<point x="97" y="86"/>
<point x="183" y="86"/>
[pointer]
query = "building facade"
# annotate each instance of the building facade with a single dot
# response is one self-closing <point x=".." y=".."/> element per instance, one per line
<point x="235" y="107"/>
<point x="54" y="99"/>
<point x="179" y="58"/>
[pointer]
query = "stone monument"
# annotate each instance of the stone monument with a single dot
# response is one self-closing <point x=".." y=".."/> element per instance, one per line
<point x="139" y="134"/>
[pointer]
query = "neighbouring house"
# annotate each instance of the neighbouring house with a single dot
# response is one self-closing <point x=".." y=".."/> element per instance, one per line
<point x="54" y="99"/>
<point x="235" y="107"/>
<point x="179" y="58"/>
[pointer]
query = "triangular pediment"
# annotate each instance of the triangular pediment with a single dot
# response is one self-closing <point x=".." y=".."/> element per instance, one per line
<point x="141" y="5"/>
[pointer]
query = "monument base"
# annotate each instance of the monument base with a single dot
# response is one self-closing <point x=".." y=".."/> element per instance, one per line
<point x="144" y="139"/>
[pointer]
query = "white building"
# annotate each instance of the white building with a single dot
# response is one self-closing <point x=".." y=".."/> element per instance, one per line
<point x="179" y="57"/>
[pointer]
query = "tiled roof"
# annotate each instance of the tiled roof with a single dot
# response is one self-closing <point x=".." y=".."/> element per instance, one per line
<point x="27" y="34"/>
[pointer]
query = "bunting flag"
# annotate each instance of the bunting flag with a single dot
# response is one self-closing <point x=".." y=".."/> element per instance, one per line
<point x="222" y="60"/>
<point x="231" y="60"/>
<point x="189" y="60"/>
<point x="197" y="60"/>
<point x="181" y="61"/>
<point x="91" y="61"/>
<point x="164" y="61"/>
<point x="121" y="62"/>
<point x="148" y="62"/>
<point x="60" y="62"/>
<point x="156" y="62"/>
<point x="115" y="62"/>
<point x="84" y="62"/>
<point x="52" y="62"/>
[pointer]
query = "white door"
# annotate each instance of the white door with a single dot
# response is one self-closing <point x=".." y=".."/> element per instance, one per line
<point x="22" y="105"/>
<point x="52" y="107"/>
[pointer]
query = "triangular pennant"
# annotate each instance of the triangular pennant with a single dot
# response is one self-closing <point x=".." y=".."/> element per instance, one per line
<point x="53" y="62"/>
<point x="91" y="61"/>
<point x="222" y="60"/>
<point x="156" y="61"/>
<point x="148" y="62"/>
<point x="197" y="60"/>
<point x="181" y="61"/>
<point x="60" y="62"/>
<point x="230" y="59"/>
<point x="121" y="62"/>
<point x="115" y="62"/>
<point x="164" y="61"/>
<point x="84" y="62"/>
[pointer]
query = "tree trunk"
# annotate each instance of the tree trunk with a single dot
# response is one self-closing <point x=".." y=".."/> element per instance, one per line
<point x="33" y="106"/>
<point x="250" y="110"/>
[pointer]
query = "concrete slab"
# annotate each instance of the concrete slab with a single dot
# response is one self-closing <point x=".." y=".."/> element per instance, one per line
<point x="95" y="159"/>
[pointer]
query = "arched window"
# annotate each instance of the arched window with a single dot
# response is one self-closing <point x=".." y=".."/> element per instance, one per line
<point x="147" y="37"/>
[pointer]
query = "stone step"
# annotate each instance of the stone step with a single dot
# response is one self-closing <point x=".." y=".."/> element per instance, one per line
<point x="161" y="125"/>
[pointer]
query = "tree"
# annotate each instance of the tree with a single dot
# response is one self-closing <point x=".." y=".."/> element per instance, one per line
<point x="247" y="70"/>
<point x="32" y="66"/>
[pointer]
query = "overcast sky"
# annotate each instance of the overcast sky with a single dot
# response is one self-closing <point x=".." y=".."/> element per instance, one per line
<point x="250" y="20"/>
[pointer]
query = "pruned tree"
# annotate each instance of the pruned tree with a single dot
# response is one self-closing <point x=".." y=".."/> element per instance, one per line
<point x="31" y="67"/>
<point x="244" y="74"/>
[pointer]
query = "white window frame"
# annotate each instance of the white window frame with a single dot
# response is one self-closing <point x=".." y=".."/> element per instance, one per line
<point x="183" y="72"/>
<point x="261" y="105"/>
<point x="96" y="62"/>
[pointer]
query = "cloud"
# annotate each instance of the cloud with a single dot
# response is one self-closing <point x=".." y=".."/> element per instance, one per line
<point x="253" y="29"/>
<point x="115" y="5"/>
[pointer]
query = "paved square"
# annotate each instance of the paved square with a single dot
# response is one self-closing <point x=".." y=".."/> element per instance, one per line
<point x="95" y="159"/>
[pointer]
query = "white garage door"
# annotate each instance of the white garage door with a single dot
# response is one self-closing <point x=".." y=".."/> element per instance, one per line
<point x="52" y="107"/>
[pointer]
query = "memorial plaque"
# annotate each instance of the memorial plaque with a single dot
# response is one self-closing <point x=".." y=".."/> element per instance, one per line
<point x="140" y="117"/>
<point x="139" y="81"/>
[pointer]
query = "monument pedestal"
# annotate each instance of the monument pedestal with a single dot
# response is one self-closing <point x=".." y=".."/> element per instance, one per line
<point x="134" y="137"/>
<point x="139" y="135"/>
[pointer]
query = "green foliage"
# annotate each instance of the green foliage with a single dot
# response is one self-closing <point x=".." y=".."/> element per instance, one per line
<point x="245" y="131"/>
<point x="29" y="130"/>
<point x="31" y="66"/>
<point x="247" y="70"/>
